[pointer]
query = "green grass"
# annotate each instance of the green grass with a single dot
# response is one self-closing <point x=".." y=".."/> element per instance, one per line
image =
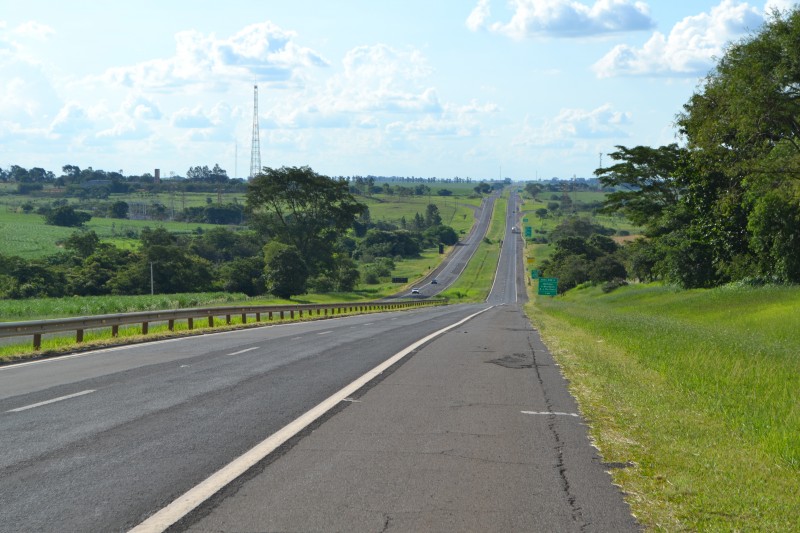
<point x="29" y="237"/>
<point x="700" y="390"/>
<point x="476" y="281"/>
<point x="454" y="210"/>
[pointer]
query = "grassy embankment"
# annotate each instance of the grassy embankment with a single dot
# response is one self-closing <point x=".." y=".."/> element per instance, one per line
<point x="698" y="390"/>
<point x="475" y="282"/>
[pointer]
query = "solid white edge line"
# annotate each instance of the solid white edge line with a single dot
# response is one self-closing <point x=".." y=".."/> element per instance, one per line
<point x="54" y="400"/>
<point x="195" y="496"/>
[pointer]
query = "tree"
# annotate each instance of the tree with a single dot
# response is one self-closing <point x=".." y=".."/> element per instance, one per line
<point x="66" y="216"/>
<point x="644" y="181"/>
<point x="285" y="272"/>
<point x="432" y="216"/>
<point x="119" y="209"/>
<point x="82" y="243"/>
<point x="297" y="206"/>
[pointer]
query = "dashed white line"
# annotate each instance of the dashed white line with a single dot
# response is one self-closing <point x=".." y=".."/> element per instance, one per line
<point x="245" y="350"/>
<point x="325" y="332"/>
<point x="176" y="510"/>
<point x="59" y="399"/>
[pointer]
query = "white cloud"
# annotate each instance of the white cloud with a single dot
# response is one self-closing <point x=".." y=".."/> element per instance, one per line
<point x="34" y="30"/>
<point x="571" y="125"/>
<point x="477" y="18"/>
<point x="564" y="18"/>
<point x="262" y="50"/>
<point x="780" y="5"/>
<point x="71" y="119"/>
<point x="690" y="47"/>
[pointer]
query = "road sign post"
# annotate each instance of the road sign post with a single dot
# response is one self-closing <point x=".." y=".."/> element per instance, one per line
<point x="534" y="274"/>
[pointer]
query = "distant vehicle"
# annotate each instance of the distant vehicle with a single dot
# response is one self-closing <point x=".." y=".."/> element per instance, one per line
<point x="414" y="291"/>
<point x="434" y="282"/>
<point x="514" y="229"/>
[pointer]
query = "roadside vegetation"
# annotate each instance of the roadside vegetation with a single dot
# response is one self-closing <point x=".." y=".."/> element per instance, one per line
<point x="289" y="232"/>
<point x="687" y="366"/>
<point x="696" y="391"/>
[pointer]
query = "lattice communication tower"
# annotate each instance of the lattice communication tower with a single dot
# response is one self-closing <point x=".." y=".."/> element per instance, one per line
<point x="255" y="151"/>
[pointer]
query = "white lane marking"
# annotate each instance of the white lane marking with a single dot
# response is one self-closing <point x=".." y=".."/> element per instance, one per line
<point x="185" y="503"/>
<point x="295" y="338"/>
<point x="54" y="400"/>
<point x="325" y="332"/>
<point x="368" y="323"/>
<point x="549" y="413"/>
<point x="395" y="318"/>
<point x="245" y="350"/>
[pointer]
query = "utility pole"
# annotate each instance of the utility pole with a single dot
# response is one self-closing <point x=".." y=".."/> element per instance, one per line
<point x="151" y="278"/>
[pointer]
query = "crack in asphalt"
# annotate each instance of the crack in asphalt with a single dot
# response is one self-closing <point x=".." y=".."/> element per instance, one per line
<point x="558" y="448"/>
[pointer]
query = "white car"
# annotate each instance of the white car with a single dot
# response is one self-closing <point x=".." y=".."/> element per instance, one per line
<point x="414" y="291"/>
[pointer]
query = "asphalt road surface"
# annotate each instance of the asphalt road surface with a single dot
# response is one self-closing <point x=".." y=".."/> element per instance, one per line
<point x="472" y="430"/>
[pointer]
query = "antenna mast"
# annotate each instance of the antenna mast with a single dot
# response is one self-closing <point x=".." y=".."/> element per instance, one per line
<point x="255" y="152"/>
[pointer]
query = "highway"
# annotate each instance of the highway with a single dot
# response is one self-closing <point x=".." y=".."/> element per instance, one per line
<point x="478" y="416"/>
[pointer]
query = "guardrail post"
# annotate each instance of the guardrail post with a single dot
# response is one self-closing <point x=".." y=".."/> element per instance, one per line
<point x="171" y="324"/>
<point x="291" y="314"/>
<point x="79" y="336"/>
<point x="326" y="311"/>
<point x="258" y="317"/>
<point x="270" y="315"/>
<point x="115" y="330"/>
<point x="190" y="323"/>
<point x="145" y="328"/>
<point x="244" y="318"/>
<point x="211" y="321"/>
<point x="301" y="313"/>
<point x="281" y="315"/>
<point x="228" y="319"/>
<point x="37" y="341"/>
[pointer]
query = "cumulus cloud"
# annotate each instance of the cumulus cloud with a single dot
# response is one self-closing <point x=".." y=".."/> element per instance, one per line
<point x="690" y="47"/>
<point x="571" y="125"/>
<point x="564" y="18"/>
<point x="263" y="50"/>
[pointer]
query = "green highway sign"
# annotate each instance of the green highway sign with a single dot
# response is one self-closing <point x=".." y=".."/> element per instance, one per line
<point x="528" y="231"/>
<point x="525" y="220"/>
<point x="548" y="286"/>
<point x="534" y="274"/>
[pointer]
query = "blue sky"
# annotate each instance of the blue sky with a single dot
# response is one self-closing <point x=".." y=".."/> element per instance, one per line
<point x="468" y="88"/>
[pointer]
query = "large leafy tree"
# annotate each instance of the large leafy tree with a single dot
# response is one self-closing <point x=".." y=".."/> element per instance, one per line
<point x="299" y="207"/>
<point x="644" y="181"/>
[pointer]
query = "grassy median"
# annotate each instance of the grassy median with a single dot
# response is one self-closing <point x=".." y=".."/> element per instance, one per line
<point x="698" y="391"/>
<point x="476" y="281"/>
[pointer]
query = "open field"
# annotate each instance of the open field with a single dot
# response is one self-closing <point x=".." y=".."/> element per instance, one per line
<point x="29" y="237"/>
<point x="697" y="392"/>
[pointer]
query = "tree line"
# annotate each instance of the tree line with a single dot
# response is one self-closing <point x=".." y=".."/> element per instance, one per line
<point x="724" y="205"/>
<point x="306" y="232"/>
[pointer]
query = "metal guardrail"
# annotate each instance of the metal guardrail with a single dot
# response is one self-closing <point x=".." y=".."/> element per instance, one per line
<point x="79" y="324"/>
